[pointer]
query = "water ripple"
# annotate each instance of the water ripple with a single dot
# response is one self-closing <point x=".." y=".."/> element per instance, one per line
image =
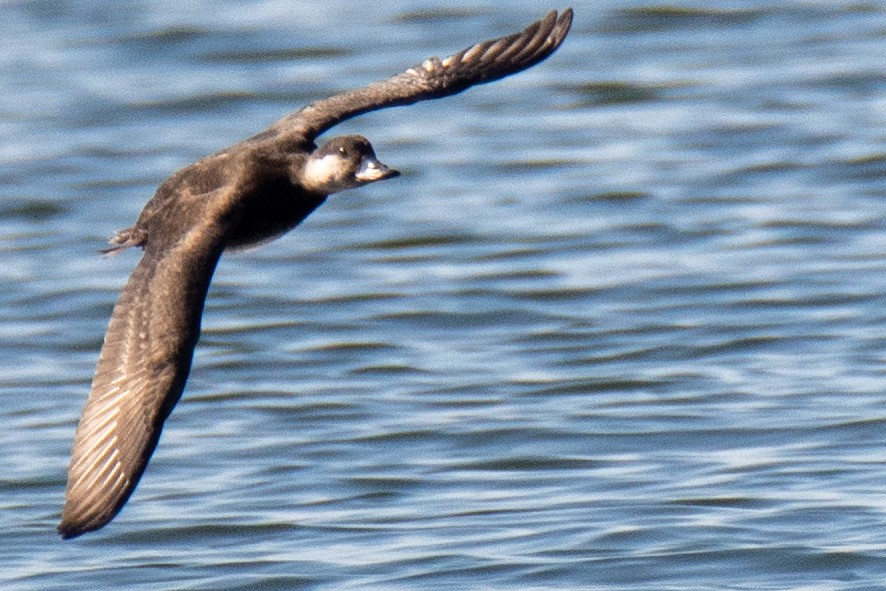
<point x="619" y="324"/>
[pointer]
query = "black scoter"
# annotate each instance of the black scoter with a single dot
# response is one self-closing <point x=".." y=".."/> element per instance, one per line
<point x="242" y="195"/>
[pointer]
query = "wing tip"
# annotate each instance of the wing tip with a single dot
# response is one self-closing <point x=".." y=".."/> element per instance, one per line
<point x="564" y="23"/>
<point x="541" y="39"/>
<point x="90" y="508"/>
<point x="76" y="521"/>
<point x="504" y="56"/>
<point x="69" y="528"/>
<point x="68" y="531"/>
<point x="556" y="25"/>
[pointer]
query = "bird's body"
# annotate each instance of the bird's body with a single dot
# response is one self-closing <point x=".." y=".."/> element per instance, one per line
<point x="246" y="194"/>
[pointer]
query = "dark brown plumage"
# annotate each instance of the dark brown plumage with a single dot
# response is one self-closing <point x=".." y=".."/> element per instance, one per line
<point x="250" y="192"/>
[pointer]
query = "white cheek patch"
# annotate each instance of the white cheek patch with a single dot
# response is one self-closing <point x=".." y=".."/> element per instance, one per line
<point x="322" y="171"/>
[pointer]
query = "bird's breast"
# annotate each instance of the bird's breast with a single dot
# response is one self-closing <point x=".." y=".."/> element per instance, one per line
<point x="272" y="207"/>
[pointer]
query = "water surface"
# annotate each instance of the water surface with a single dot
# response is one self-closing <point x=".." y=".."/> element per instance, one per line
<point x="619" y="325"/>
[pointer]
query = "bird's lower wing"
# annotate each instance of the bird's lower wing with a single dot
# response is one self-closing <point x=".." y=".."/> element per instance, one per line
<point x="433" y="78"/>
<point x="141" y="373"/>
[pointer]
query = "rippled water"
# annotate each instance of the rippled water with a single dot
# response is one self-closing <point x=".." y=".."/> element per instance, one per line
<point x="620" y="325"/>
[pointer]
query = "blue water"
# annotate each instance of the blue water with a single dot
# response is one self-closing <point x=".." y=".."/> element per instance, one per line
<point x="619" y="326"/>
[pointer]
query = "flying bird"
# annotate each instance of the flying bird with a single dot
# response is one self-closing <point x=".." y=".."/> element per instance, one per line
<point x="248" y="193"/>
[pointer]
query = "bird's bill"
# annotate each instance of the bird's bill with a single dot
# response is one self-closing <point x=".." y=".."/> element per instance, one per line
<point x="372" y="170"/>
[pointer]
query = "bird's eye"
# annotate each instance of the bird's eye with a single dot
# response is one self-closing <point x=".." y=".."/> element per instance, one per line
<point x="343" y="151"/>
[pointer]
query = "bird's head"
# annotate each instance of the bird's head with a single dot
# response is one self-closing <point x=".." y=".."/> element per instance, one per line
<point x="344" y="162"/>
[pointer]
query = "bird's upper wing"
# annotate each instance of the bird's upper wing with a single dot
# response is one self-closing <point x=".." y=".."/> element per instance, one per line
<point x="141" y="373"/>
<point x="433" y="78"/>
